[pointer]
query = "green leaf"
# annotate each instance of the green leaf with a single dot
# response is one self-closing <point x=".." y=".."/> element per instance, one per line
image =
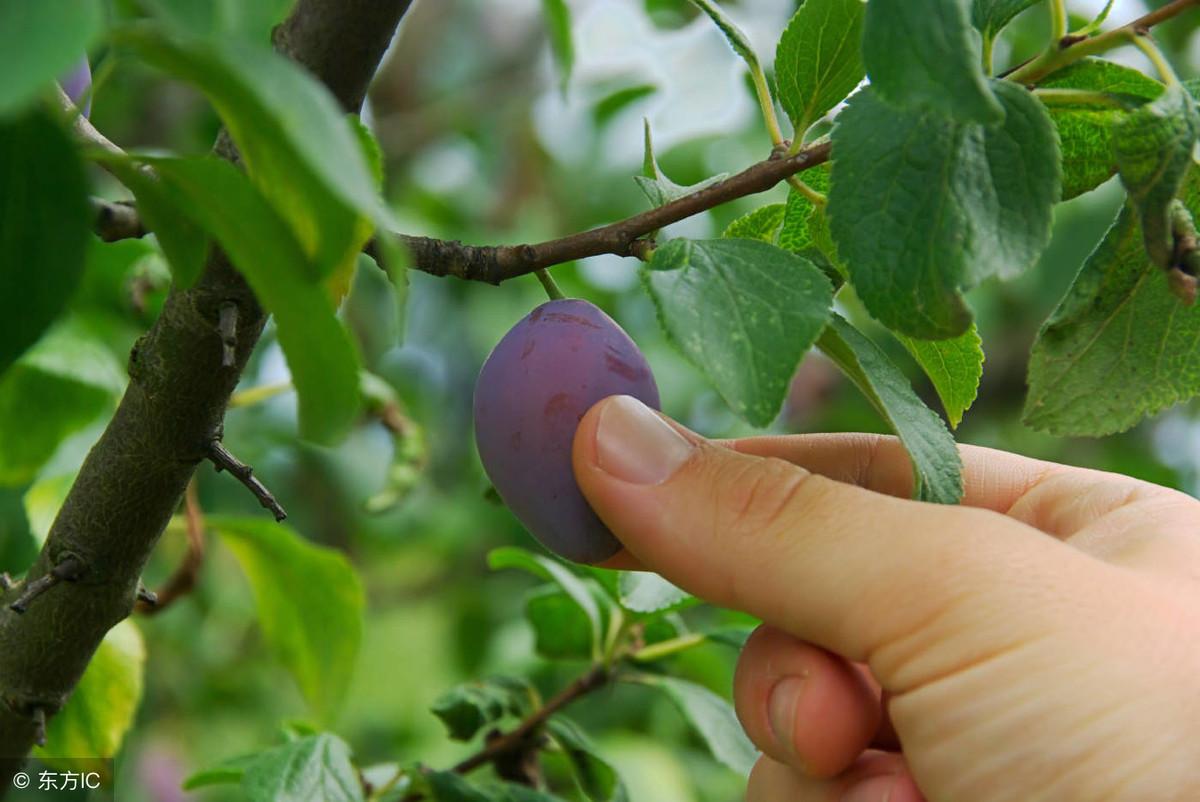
<point x="1085" y="134"/>
<point x="805" y="227"/>
<point x="449" y="786"/>
<point x="1153" y="147"/>
<point x="954" y="366"/>
<point x="659" y="189"/>
<point x="922" y="55"/>
<point x="735" y="35"/>
<point x="295" y="142"/>
<point x="320" y="354"/>
<point x="62" y="384"/>
<point x="307" y="769"/>
<point x="990" y="16"/>
<point x="183" y="242"/>
<point x="227" y="772"/>
<point x="45" y="220"/>
<point x="558" y="26"/>
<point x="101" y="709"/>
<point x="762" y="223"/>
<point x="310" y="605"/>
<point x="922" y="207"/>
<point x="743" y="311"/>
<point x="553" y="571"/>
<point x="1120" y="346"/>
<point x="468" y="708"/>
<point x="713" y="718"/>
<point x="39" y="42"/>
<point x="937" y="467"/>
<point x="819" y="59"/>
<point x="597" y="779"/>
<point x="561" y="630"/>
<point x="644" y="592"/>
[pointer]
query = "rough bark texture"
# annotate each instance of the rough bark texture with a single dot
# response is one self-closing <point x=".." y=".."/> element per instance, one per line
<point x="135" y="475"/>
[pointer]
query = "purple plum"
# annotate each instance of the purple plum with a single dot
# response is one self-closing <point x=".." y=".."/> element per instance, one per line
<point x="77" y="82"/>
<point x="533" y="390"/>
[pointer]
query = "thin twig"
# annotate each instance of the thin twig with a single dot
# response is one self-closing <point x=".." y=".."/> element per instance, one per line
<point x="87" y="133"/>
<point x="68" y="570"/>
<point x="183" y="581"/>
<point x="516" y="738"/>
<point x="224" y="461"/>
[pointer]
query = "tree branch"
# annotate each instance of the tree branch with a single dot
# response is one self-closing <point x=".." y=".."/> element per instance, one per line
<point x="130" y="484"/>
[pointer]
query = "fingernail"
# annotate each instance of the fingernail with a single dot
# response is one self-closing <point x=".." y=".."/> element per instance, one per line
<point x="875" y="789"/>
<point x="635" y="445"/>
<point x="781" y="711"/>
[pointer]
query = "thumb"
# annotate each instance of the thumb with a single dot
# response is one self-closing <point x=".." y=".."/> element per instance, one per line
<point x="843" y="567"/>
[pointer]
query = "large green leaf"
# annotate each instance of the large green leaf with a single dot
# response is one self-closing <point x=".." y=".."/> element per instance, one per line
<point x="319" y="351"/>
<point x="1085" y="133"/>
<point x="937" y="467"/>
<point x="713" y="718"/>
<point x="597" y="779"/>
<point x="1120" y="345"/>
<point x="62" y="384"/>
<point x="310" y="605"/>
<point x="101" y="709"/>
<point x="922" y="207"/>
<point x="307" y="769"/>
<point x="990" y="16"/>
<point x="923" y="54"/>
<point x="954" y="366"/>
<point x="743" y="311"/>
<point x="819" y="59"/>
<point x="468" y="708"/>
<point x="44" y="223"/>
<point x="1154" y="147"/>
<point x="40" y="40"/>
<point x="296" y="143"/>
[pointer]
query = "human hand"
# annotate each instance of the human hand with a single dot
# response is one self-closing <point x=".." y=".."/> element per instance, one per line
<point x="1039" y="642"/>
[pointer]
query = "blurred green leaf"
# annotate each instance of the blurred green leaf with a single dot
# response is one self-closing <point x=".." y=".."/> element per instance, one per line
<point x="447" y="786"/>
<point x="42" y="501"/>
<point x="551" y="570"/>
<point x="644" y="592"/>
<point x="227" y="772"/>
<point x="819" y="59"/>
<point x="954" y="366"/>
<point x="1120" y="345"/>
<point x="45" y="219"/>
<point x="558" y="26"/>
<point x="937" y="467"/>
<point x="468" y="708"/>
<point x="763" y="224"/>
<point x="915" y="71"/>
<point x="310" y="605"/>
<point x="713" y="718"/>
<point x="1085" y="134"/>
<point x="317" y="767"/>
<point x="990" y="16"/>
<point x="561" y="630"/>
<point x="62" y="384"/>
<point x="597" y="779"/>
<point x="922" y="207"/>
<point x="743" y="311"/>
<point x="296" y="143"/>
<point x="320" y="355"/>
<point x="39" y="42"/>
<point x="103" y="705"/>
<point x="221" y="18"/>
<point x="1154" y="147"/>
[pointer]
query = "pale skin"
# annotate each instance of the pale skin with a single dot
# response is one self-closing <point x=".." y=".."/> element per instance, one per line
<point x="1039" y="642"/>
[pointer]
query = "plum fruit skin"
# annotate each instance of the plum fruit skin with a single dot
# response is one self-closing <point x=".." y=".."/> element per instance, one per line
<point x="77" y="82"/>
<point x="541" y="378"/>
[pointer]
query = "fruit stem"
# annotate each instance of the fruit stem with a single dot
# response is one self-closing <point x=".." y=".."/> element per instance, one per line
<point x="550" y="285"/>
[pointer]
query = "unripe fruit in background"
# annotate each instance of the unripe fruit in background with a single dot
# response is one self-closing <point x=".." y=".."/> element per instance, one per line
<point x="77" y="82"/>
<point x="533" y="390"/>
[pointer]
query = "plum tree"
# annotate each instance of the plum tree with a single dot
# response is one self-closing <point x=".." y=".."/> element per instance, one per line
<point x="536" y="385"/>
<point x="77" y="82"/>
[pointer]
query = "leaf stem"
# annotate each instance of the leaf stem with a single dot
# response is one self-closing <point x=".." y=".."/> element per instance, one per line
<point x="657" y="651"/>
<point x="1145" y="44"/>
<point x="549" y="284"/>
<point x="767" y="104"/>
<point x="814" y="197"/>
<point x="1080" y="97"/>
<point x="1058" y="21"/>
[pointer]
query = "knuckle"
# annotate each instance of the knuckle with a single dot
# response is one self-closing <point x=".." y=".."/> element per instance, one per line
<point x="764" y="496"/>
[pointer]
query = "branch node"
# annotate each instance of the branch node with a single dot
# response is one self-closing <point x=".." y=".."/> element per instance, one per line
<point x="69" y="569"/>
<point x="227" y="326"/>
<point x="222" y="460"/>
<point x="147" y="596"/>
